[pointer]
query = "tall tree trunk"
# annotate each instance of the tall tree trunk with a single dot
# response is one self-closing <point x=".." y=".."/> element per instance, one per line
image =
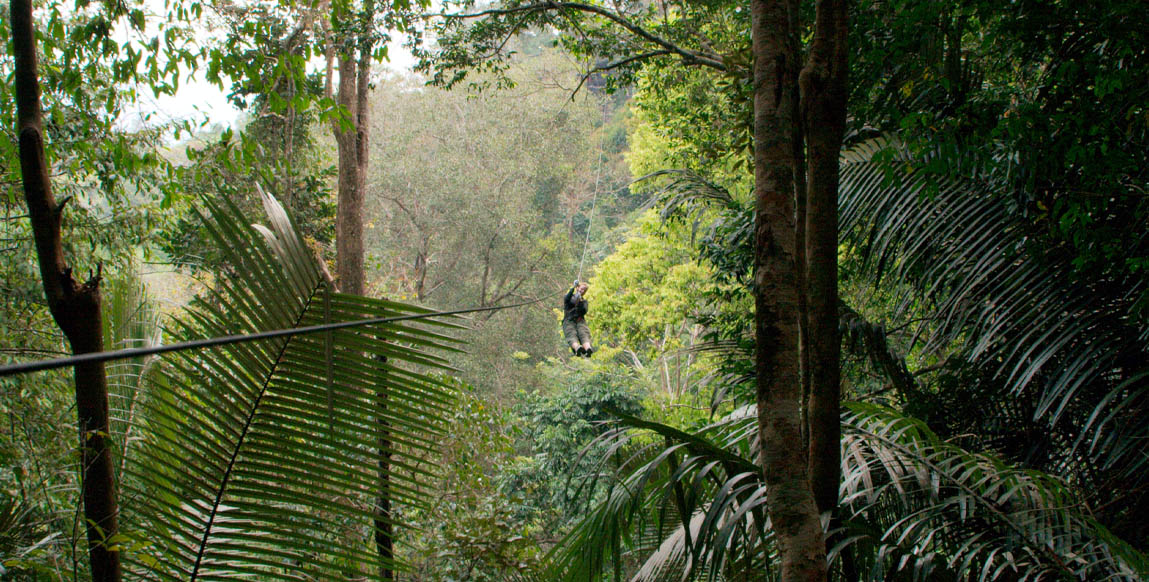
<point x="352" y="175"/>
<point x="74" y="306"/>
<point x="800" y="203"/>
<point x="351" y="138"/>
<point x="353" y="141"/>
<point x="823" y="83"/>
<point x="353" y="226"/>
<point x="801" y="547"/>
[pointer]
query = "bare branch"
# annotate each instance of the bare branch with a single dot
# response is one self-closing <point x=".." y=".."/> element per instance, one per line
<point x="614" y="65"/>
<point x="688" y="57"/>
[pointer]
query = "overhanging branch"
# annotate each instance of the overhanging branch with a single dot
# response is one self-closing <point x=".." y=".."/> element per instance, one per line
<point x="688" y="57"/>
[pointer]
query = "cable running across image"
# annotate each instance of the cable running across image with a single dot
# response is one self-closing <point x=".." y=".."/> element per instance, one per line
<point x="109" y="356"/>
<point x="594" y="201"/>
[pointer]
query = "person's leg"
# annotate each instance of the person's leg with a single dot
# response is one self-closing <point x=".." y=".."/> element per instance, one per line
<point x="570" y="332"/>
<point x="584" y="337"/>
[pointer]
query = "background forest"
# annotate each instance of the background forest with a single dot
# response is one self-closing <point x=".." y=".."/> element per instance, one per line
<point x="991" y="292"/>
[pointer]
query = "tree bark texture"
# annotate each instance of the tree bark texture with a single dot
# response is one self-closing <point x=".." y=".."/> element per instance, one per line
<point x="823" y="90"/>
<point x="352" y="177"/>
<point x="354" y="53"/>
<point x="74" y="306"/>
<point x="801" y="546"/>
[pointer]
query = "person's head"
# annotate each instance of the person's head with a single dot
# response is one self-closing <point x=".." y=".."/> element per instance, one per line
<point x="582" y="287"/>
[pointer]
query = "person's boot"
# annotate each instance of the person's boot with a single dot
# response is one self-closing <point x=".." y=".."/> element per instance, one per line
<point x="576" y="350"/>
<point x="587" y="352"/>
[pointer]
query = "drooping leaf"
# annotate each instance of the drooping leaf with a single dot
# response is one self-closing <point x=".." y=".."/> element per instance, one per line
<point x="1070" y="348"/>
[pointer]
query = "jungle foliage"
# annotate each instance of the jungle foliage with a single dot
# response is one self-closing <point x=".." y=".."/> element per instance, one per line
<point x="992" y="304"/>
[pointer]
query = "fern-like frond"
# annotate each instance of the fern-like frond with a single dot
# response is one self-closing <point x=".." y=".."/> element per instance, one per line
<point x="131" y="320"/>
<point x="911" y="501"/>
<point x="911" y="505"/>
<point x="1017" y="311"/>
<point x="688" y="507"/>
<point x="266" y="460"/>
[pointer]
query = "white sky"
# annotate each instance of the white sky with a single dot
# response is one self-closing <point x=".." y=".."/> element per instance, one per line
<point x="200" y="101"/>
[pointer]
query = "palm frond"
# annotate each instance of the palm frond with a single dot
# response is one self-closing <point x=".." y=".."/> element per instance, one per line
<point x="1021" y="313"/>
<point x="912" y="501"/>
<point x="265" y="460"/>
<point x="729" y="223"/>
<point x="911" y="505"/>
<point x="687" y="508"/>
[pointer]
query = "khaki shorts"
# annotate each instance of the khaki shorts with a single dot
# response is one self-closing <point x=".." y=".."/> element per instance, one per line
<point x="576" y="332"/>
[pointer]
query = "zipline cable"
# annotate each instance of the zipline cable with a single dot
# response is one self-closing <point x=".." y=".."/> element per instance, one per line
<point x="594" y="201"/>
<point x="108" y="356"/>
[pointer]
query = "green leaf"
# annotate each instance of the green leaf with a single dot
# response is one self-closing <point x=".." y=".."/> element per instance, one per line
<point x="269" y="457"/>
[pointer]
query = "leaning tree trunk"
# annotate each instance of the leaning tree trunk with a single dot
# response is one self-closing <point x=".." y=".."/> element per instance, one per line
<point x="74" y="306"/>
<point x="791" y="504"/>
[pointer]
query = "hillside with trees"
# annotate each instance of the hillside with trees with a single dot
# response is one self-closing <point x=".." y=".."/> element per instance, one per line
<point x="867" y="291"/>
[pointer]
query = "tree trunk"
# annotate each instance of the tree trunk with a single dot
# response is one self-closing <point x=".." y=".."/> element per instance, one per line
<point x="823" y="83"/>
<point x="75" y="307"/>
<point x="351" y="138"/>
<point x="352" y="175"/>
<point x="384" y="537"/>
<point x="353" y="226"/>
<point x="792" y="510"/>
<point x="353" y="141"/>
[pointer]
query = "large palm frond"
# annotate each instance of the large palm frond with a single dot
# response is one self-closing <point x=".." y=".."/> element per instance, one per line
<point x="1070" y="348"/>
<point x="269" y="459"/>
<point x="691" y="504"/>
<point x="913" y="507"/>
<point x="911" y="501"/>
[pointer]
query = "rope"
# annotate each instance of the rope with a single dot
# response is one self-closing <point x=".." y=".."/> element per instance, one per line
<point x="594" y="201"/>
<point x="108" y="356"/>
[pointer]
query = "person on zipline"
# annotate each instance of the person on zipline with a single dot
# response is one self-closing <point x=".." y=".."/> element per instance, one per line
<point x="574" y="323"/>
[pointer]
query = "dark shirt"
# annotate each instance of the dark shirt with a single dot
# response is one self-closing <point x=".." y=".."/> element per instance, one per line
<point x="574" y="306"/>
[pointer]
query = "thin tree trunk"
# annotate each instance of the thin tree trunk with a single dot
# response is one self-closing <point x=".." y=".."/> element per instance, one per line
<point x="74" y="306"/>
<point x="384" y="530"/>
<point x="823" y="83"/>
<point x="353" y="142"/>
<point x="792" y="510"/>
<point x="384" y="538"/>
<point x="353" y="225"/>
